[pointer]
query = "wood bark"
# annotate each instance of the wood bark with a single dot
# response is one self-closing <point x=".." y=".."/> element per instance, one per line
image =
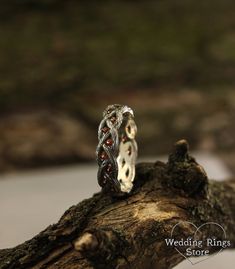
<point x="130" y="232"/>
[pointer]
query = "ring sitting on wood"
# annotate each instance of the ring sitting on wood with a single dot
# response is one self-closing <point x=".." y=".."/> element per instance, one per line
<point x="117" y="150"/>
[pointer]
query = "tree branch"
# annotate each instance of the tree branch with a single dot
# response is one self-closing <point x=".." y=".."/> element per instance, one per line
<point x="130" y="232"/>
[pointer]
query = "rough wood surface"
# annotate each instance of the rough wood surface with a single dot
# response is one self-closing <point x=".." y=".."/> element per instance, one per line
<point x="105" y="232"/>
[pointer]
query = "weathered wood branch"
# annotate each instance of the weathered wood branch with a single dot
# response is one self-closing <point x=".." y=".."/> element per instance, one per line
<point x="130" y="232"/>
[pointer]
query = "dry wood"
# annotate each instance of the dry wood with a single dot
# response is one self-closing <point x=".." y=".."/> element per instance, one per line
<point x="106" y="232"/>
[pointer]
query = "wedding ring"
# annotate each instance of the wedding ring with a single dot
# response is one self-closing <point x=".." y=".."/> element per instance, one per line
<point x="116" y="152"/>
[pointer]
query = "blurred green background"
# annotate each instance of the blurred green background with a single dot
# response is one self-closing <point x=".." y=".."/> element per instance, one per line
<point x="63" y="62"/>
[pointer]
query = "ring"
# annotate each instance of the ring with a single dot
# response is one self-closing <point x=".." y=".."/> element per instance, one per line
<point x="116" y="152"/>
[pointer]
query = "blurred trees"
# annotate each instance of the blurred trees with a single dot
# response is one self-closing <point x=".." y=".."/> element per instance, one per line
<point x="173" y="61"/>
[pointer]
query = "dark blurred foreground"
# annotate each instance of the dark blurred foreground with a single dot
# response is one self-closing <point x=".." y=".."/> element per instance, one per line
<point x="63" y="62"/>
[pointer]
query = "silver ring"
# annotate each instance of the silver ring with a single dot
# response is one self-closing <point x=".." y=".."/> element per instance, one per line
<point x="116" y="152"/>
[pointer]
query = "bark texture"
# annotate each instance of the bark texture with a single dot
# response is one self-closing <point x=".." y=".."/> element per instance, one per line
<point x="130" y="232"/>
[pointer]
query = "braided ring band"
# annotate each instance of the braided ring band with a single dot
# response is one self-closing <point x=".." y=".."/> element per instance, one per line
<point x="116" y="152"/>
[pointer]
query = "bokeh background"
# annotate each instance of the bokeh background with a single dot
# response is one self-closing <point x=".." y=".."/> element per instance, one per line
<point x="62" y="62"/>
